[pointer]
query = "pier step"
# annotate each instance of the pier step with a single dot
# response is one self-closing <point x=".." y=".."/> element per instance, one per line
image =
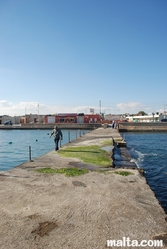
<point x="121" y="156"/>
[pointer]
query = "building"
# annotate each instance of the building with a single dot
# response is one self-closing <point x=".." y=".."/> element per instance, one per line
<point x="162" y="116"/>
<point x="61" y="118"/>
<point x="92" y="118"/>
<point x="145" y="118"/>
<point x="108" y="118"/>
<point x="32" y="118"/>
<point x="14" y="120"/>
<point x="79" y="118"/>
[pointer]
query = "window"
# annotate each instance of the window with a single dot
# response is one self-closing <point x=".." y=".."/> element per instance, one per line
<point x="71" y="120"/>
<point x="62" y="120"/>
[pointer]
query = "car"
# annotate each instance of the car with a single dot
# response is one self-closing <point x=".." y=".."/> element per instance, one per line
<point x="164" y="120"/>
<point x="9" y="122"/>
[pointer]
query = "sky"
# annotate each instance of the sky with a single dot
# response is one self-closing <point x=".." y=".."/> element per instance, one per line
<point x="61" y="56"/>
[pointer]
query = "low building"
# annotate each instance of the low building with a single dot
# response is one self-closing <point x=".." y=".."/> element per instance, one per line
<point x="32" y="118"/>
<point x="162" y="116"/>
<point x="6" y="118"/>
<point x="92" y="118"/>
<point x="61" y="118"/>
<point x="66" y="118"/>
<point x="144" y="118"/>
<point x="79" y="118"/>
<point x="112" y="117"/>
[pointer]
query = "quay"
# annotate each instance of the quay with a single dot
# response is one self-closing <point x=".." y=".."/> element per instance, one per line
<point x="143" y="126"/>
<point x="122" y="127"/>
<point x="47" y="211"/>
<point x="90" y="126"/>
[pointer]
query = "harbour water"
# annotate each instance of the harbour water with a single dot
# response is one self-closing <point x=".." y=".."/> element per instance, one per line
<point x="14" y="145"/>
<point x="149" y="152"/>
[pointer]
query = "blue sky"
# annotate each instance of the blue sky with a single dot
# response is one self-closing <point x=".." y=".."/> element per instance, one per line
<point x="72" y="55"/>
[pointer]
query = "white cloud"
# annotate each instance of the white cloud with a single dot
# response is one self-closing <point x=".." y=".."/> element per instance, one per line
<point x="12" y="109"/>
<point x="5" y="104"/>
<point x="131" y="107"/>
<point x="22" y="108"/>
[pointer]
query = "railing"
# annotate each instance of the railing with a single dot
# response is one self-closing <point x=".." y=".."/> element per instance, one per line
<point x="81" y="133"/>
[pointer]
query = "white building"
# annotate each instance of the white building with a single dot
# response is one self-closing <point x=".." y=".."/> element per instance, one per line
<point x="144" y="118"/>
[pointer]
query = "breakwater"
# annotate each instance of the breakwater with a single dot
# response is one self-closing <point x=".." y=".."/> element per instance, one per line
<point x="51" y="210"/>
<point x="142" y="126"/>
<point x="91" y="126"/>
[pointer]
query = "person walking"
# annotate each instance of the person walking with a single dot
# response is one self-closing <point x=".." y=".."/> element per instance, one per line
<point x="57" y="134"/>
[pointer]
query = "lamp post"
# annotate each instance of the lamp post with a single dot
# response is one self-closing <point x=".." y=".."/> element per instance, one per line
<point x="38" y="113"/>
<point x="100" y="106"/>
<point x="153" y="116"/>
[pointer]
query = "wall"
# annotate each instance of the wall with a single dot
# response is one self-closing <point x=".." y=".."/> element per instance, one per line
<point x="50" y="126"/>
<point x="142" y="126"/>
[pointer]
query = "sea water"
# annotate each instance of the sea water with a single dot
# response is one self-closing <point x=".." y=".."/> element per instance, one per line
<point x="14" y="145"/>
<point x="149" y="151"/>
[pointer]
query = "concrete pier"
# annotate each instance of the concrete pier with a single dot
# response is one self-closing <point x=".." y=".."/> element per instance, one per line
<point x="47" y="211"/>
<point x="143" y="126"/>
<point x="38" y="126"/>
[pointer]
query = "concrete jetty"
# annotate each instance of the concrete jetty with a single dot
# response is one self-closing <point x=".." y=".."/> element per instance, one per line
<point x="39" y="126"/>
<point x="47" y="211"/>
<point x="143" y="126"/>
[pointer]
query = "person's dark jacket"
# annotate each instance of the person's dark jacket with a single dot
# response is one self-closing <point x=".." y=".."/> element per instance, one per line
<point x="57" y="133"/>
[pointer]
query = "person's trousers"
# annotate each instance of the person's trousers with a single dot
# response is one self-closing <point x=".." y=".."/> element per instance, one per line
<point x="56" y="143"/>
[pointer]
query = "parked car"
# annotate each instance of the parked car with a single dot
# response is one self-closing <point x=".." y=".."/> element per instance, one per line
<point x="164" y="120"/>
<point x="9" y="122"/>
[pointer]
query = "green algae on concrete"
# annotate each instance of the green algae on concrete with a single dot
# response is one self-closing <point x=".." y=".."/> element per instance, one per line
<point x="123" y="173"/>
<point x="65" y="171"/>
<point x="108" y="142"/>
<point x="89" y="154"/>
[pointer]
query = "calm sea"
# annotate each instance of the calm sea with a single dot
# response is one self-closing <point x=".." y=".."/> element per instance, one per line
<point x="149" y="151"/>
<point x="14" y="145"/>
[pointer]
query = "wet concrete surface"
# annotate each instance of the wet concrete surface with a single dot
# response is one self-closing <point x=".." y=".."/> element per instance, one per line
<point x="122" y="158"/>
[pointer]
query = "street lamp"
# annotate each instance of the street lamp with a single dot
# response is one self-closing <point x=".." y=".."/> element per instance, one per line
<point x="153" y="116"/>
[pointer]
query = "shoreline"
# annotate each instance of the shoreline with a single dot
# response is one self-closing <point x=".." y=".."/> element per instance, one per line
<point x="76" y="212"/>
